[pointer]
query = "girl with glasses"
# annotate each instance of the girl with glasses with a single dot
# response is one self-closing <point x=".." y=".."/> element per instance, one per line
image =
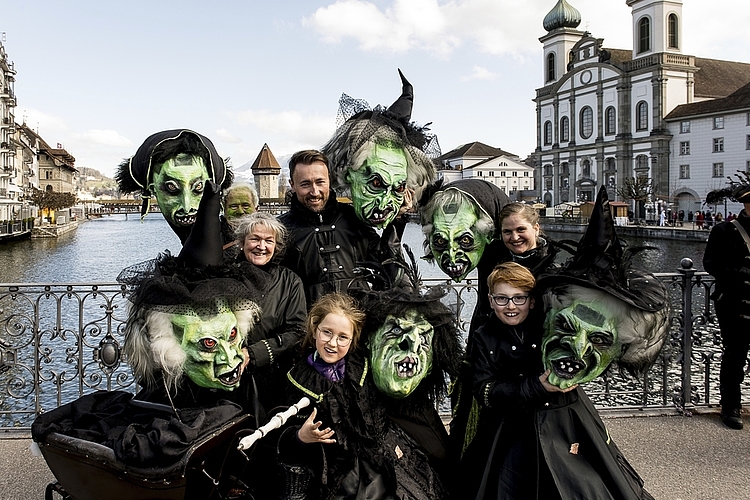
<point x="344" y="445"/>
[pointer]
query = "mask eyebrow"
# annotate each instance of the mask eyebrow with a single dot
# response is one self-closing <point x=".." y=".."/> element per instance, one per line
<point x="589" y="315"/>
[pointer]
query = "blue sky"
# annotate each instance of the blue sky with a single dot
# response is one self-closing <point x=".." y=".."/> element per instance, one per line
<point x="100" y="76"/>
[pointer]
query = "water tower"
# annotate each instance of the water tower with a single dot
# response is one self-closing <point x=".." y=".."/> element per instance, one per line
<point x="266" y="172"/>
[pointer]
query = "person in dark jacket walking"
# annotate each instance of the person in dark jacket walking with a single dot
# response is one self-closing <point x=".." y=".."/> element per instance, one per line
<point x="727" y="258"/>
<point x="327" y="241"/>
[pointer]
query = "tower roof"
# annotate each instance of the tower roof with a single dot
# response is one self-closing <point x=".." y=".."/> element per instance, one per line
<point x="266" y="161"/>
<point x="562" y="15"/>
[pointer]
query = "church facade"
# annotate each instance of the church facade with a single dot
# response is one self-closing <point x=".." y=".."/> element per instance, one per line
<point x="602" y="113"/>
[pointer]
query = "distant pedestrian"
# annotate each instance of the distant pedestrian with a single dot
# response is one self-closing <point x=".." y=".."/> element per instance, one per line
<point x="727" y="258"/>
<point x="708" y="220"/>
<point x="730" y="217"/>
<point x="699" y="220"/>
<point x="662" y="216"/>
<point x="718" y="217"/>
<point x="681" y="215"/>
<point x="690" y="216"/>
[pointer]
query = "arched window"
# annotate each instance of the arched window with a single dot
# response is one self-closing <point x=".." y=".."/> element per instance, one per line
<point x="644" y="35"/>
<point x="641" y="111"/>
<point x="611" y="164"/>
<point x="551" y="67"/>
<point x="641" y="162"/>
<point x="674" y="39"/>
<point x="586" y="168"/>
<point x="609" y="123"/>
<point x="547" y="133"/>
<point x="587" y="122"/>
<point x="564" y="129"/>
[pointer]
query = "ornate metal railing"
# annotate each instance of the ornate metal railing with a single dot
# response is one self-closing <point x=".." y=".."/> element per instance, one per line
<point x="60" y="341"/>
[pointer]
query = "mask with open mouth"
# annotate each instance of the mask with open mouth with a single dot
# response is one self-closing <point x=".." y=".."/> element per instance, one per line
<point x="402" y="353"/>
<point x="213" y="348"/>
<point x="580" y="342"/>
<point x="378" y="186"/>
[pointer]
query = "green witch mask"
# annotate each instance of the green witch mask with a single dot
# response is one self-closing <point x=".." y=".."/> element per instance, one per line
<point x="455" y="242"/>
<point x="213" y="346"/>
<point x="580" y="342"/>
<point x="378" y="186"/>
<point x="178" y="185"/>
<point x="401" y="353"/>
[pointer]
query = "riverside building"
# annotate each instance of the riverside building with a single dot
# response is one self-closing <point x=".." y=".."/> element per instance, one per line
<point x="605" y="114"/>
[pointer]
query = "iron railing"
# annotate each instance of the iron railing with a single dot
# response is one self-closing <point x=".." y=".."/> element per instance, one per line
<point x="60" y="341"/>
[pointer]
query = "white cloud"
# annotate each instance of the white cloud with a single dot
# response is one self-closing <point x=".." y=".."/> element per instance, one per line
<point x="480" y="73"/>
<point x="103" y="138"/>
<point x="513" y="27"/>
<point x="407" y="24"/>
<point x="313" y="129"/>
<point x="43" y="123"/>
<point x="225" y="135"/>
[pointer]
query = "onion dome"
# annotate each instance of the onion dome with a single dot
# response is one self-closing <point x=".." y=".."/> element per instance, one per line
<point x="562" y="15"/>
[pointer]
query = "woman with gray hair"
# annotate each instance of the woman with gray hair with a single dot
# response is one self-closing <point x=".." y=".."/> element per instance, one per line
<point x="269" y="348"/>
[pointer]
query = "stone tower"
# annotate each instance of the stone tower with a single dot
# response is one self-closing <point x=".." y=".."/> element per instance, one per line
<point x="266" y="172"/>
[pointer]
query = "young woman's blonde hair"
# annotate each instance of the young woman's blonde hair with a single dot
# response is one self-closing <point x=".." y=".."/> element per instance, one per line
<point x="337" y="303"/>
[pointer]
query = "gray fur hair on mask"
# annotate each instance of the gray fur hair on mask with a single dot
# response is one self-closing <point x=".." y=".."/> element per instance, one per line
<point x="450" y="201"/>
<point x="151" y="345"/>
<point x="642" y="333"/>
<point x="355" y="140"/>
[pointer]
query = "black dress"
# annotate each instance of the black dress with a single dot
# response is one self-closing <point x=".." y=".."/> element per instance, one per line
<point x="531" y="443"/>
<point x="372" y="458"/>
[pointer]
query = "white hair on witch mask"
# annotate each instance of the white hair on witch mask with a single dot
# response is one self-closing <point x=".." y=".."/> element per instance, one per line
<point x="152" y="345"/>
<point x="642" y="333"/>
<point x="355" y="141"/>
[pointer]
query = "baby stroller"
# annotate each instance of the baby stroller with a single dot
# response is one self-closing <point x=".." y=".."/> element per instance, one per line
<point x="202" y="461"/>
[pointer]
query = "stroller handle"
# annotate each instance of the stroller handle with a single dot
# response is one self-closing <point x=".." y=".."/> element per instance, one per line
<point x="277" y="421"/>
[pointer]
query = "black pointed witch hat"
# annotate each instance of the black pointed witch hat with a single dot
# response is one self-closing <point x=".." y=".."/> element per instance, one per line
<point x="602" y="262"/>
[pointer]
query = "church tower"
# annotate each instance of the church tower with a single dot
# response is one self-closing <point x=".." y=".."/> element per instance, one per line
<point x="266" y="172"/>
<point x="657" y="26"/>
<point x="561" y="23"/>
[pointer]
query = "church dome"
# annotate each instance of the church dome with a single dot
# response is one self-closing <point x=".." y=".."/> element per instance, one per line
<point x="562" y="15"/>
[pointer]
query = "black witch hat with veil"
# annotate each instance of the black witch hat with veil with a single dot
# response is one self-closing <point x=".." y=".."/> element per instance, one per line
<point x="358" y="125"/>
<point x="602" y="262"/>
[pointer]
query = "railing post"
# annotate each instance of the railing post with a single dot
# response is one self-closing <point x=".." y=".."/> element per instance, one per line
<point x="687" y="271"/>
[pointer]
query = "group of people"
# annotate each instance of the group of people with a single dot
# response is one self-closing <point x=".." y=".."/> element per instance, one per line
<point x="324" y="302"/>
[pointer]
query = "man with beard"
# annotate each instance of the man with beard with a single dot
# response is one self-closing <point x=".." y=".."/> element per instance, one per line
<point x="327" y="241"/>
<point x="173" y="167"/>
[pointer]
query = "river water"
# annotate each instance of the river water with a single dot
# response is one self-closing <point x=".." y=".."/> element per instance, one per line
<point x="100" y="248"/>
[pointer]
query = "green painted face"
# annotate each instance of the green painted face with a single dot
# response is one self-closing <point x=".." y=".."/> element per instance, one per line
<point x="454" y="242"/>
<point x="178" y="185"/>
<point x="580" y="341"/>
<point x="401" y="354"/>
<point x="379" y="185"/>
<point x="238" y="203"/>
<point x="213" y="346"/>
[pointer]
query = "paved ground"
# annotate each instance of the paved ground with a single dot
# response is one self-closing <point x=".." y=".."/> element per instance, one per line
<point x="680" y="458"/>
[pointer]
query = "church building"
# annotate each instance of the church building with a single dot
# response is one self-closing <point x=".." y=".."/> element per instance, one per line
<point x="603" y="113"/>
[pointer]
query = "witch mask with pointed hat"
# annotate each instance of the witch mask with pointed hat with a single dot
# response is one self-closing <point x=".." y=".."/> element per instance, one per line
<point x="189" y="314"/>
<point x="379" y="157"/>
<point x="173" y="167"/>
<point x="600" y="310"/>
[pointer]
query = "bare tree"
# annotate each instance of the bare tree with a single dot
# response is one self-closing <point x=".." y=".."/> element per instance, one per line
<point x="640" y="190"/>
